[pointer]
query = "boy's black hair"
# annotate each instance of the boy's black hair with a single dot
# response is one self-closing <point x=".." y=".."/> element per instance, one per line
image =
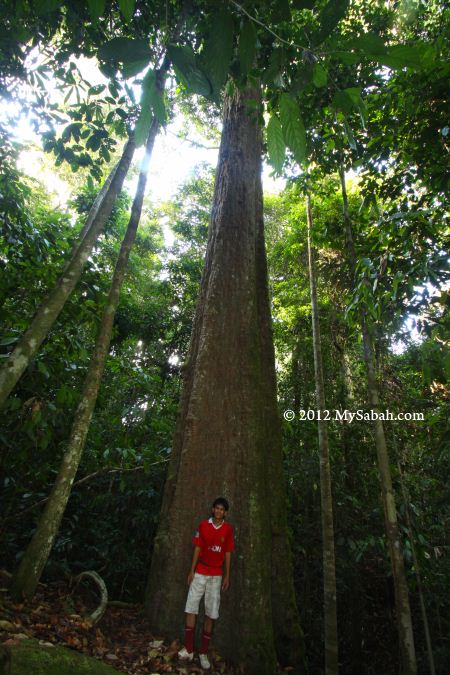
<point x="221" y="501"/>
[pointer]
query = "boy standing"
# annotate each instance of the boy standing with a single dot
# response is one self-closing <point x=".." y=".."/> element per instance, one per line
<point x="213" y="543"/>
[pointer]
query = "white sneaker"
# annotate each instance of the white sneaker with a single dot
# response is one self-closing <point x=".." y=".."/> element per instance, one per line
<point x="204" y="661"/>
<point x="184" y="655"/>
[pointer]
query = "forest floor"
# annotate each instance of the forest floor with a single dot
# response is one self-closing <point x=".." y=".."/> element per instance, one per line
<point x="122" y="638"/>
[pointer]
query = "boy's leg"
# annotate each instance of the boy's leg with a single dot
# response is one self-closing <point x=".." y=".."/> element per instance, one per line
<point x="189" y="631"/>
<point x="212" y="603"/>
<point x="196" y="592"/>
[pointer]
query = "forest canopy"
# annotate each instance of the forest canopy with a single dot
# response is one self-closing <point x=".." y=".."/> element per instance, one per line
<point x="172" y="328"/>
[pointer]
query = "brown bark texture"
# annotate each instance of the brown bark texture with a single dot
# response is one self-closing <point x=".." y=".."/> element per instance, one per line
<point x="329" y="562"/>
<point x="403" y="610"/>
<point x="228" y="436"/>
<point x="27" y="576"/>
<point x="47" y="313"/>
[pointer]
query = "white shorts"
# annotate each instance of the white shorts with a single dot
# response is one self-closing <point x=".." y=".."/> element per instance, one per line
<point x="208" y="586"/>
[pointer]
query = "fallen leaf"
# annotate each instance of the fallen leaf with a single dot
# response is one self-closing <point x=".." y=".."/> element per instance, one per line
<point x="156" y="643"/>
<point x="111" y="657"/>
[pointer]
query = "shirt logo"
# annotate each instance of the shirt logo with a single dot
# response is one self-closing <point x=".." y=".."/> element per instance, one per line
<point x="215" y="548"/>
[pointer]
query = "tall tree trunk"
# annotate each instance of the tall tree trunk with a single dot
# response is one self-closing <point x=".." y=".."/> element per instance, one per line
<point x="403" y="611"/>
<point x="33" y="562"/>
<point x="48" y="311"/>
<point x="228" y="436"/>
<point x="329" y="563"/>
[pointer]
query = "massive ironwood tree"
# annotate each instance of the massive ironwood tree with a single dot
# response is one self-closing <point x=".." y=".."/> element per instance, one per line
<point x="228" y="437"/>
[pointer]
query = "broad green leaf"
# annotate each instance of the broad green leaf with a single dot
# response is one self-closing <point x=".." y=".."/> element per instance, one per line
<point x="347" y="58"/>
<point x="302" y="78"/>
<point x="247" y="47"/>
<point x="293" y="127"/>
<point x="151" y="98"/>
<point x="319" y="75"/>
<point x="342" y="101"/>
<point x="187" y="70"/>
<point x="133" y="68"/>
<point x="143" y="126"/>
<point x="272" y="74"/>
<point x="350" y="136"/>
<point x="218" y="49"/>
<point x="370" y="43"/>
<point x="96" y="8"/>
<point x="354" y="93"/>
<point x="125" y="50"/>
<point x="329" y="18"/>
<point x="127" y="8"/>
<point x="404" y="56"/>
<point x="275" y="143"/>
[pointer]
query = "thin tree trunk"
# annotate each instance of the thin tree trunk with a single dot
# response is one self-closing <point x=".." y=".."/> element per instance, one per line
<point x="92" y="215"/>
<point x="423" y="608"/>
<point x="47" y="313"/>
<point x="329" y="563"/>
<point x="404" y="620"/>
<point x="228" y="435"/>
<point x="35" y="558"/>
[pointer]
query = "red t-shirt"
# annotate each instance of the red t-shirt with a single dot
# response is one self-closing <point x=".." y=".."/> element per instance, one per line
<point x="214" y="543"/>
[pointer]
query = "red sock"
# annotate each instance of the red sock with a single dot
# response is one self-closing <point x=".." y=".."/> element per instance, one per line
<point x="206" y="638"/>
<point x="189" y="638"/>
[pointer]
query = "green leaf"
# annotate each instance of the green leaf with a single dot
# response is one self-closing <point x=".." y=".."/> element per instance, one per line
<point x="370" y="43"/>
<point x="302" y="78"/>
<point x="319" y="76"/>
<point x="350" y="136"/>
<point x="293" y="127"/>
<point x="125" y="50"/>
<point x="343" y="100"/>
<point x="96" y="8"/>
<point x="143" y="126"/>
<point x="404" y="56"/>
<point x="247" y="47"/>
<point x="329" y="18"/>
<point x="154" y="97"/>
<point x="93" y="143"/>
<point x="127" y="8"/>
<point x="151" y="102"/>
<point x="133" y="68"/>
<point x="272" y="74"/>
<point x="218" y="49"/>
<point x="188" y="72"/>
<point x="275" y="143"/>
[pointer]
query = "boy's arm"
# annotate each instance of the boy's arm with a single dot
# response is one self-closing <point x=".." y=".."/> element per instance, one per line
<point x="226" y="578"/>
<point x="197" y="550"/>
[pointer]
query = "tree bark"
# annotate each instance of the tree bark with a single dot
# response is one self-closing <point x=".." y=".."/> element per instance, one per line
<point x="33" y="562"/>
<point x="403" y="611"/>
<point x="228" y="436"/>
<point x="329" y="563"/>
<point x="47" y="313"/>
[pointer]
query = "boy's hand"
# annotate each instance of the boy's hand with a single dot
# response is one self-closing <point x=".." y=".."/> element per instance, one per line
<point x="226" y="583"/>
<point x="190" y="578"/>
